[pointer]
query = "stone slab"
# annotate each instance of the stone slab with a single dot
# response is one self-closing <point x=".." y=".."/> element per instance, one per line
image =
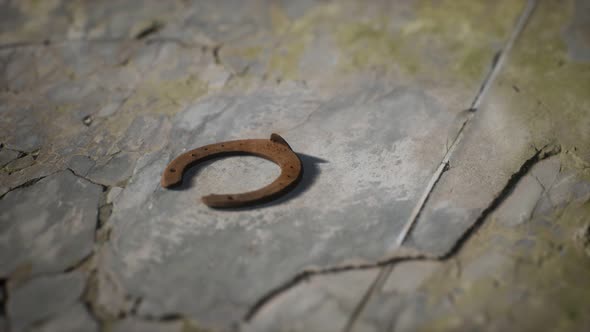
<point x="370" y="133"/>
<point x="43" y="298"/>
<point x="320" y="303"/>
<point x="519" y="117"/>
<point x="48" y="226"/>
<point x="75" y="319"/>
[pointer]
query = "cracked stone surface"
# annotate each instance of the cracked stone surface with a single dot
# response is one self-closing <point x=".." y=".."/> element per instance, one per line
<point x="302" y="231"/>
<point x="48" y="226"/>
<point x="488" y="157"/>
<point x="322" y="303"/>
<point x="115" y="171"/>
<point x="43" y="298"/>
<point x="137" y="325"/>
<point x="74" y="319"/>
<point x="342" y="144"/>
<point x="507" y="262"/>
<point x="7" y="156"/>
<point x="20" y="163"/>
<point x="97" y="97"/>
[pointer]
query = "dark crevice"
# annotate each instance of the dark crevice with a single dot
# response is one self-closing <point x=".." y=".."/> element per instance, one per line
<point x="215" y="53"/>
<point x="21" y="154"/>
<point x="506" y="191"/>
<point x="153" y="28"/>
<point x="540" y="155"/>
<point x="122" y="40"/>
<point x="135" y="307"/>
<point x="170" y="317"/>
<point x="253" y="310"/>
<point x="104" y="209"/>
<point x="4" y="303"/>
<point x="307" y="274"/>
<point x="85" y="261"/>
<point x="4" y="298"/>
<point x="104" y="213"/>
<point x="26" y="184"/>
<point x="104" y="188"/>
<point x="87" y="297"/>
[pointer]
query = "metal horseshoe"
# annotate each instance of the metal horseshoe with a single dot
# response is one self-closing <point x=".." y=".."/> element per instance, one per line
<point x="275" y="149"/>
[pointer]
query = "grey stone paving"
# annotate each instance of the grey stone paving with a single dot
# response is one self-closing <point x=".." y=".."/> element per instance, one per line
<point x="493" y="264"/>
<point x="74" y="319"/>
<point x="49" y="226"/>
<point x="7" y="156"/>
<point x="136" y="325"/>
<point x="42" y="298"/>
<point x="97" y="97"/>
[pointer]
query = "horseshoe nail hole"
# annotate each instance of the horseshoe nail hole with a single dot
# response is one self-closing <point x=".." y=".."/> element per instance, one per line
<point x="222" y="145"/>
<point x="193" y="154"/>
<point x="291" y="167"/>
<point x="206" y="149"/>
<point x="230" y="198"/>
<point x="172" y="170"/>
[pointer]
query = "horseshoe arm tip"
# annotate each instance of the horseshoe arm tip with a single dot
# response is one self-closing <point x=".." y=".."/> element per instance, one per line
<point x="278" y="139"/>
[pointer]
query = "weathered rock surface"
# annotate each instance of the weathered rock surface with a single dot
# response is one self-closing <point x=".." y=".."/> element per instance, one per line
<point x="7" y="156"/>
<point x="43" y="298"/>
<point x="75" y="319"/>
<point x="370" y="93"/>
<point x="138" y="325"/>
<point x="48" y="226"/>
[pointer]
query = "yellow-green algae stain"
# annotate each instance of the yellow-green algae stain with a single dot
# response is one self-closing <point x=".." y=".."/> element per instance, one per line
<point x="436" y="38"/>
<point x="165" y="97"/>
<point x="296" y="36"/>
<point x="553" y="274"/>
<point x="544" y="89"/>
<point x="450" y="37"/>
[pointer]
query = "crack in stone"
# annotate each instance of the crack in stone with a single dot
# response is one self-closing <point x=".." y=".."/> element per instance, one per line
<point x="121" y="40"/>
<point x="4" y="303"/>
<point x="215" y="53"/>
<point x="4" y="299"/>
<point x="21" y="155"/>
<point x="27" y="183"/>
<point x="104" y="187"/>
<point x="402" y="255"/>
<point x="540" y="155"/>
<point x="151" y="29"/>
<point x="497" y="64"/>
<point x="582" y="236"/>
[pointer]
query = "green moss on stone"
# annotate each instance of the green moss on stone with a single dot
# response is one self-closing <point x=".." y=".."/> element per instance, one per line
<point x="454" y="38"/>
<point x="551" y="276"/>
<point x="547" y="91"/>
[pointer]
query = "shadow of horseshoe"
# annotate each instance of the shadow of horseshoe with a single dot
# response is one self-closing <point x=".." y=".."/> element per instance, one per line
<point x="275" y="149"/>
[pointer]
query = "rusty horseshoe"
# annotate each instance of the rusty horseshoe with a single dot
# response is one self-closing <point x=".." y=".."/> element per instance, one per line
<point x="275" y="149"/>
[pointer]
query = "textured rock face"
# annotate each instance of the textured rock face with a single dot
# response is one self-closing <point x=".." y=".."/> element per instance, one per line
<point x="75" y="319"/>
<point x="347" y="190"/>
<point x="43" y="298"/>
<point x="448" y="113"/>
<point x="48" y="226"/>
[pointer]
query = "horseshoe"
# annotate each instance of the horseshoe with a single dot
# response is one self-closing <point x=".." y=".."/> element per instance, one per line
<point x="276" y="150"/>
